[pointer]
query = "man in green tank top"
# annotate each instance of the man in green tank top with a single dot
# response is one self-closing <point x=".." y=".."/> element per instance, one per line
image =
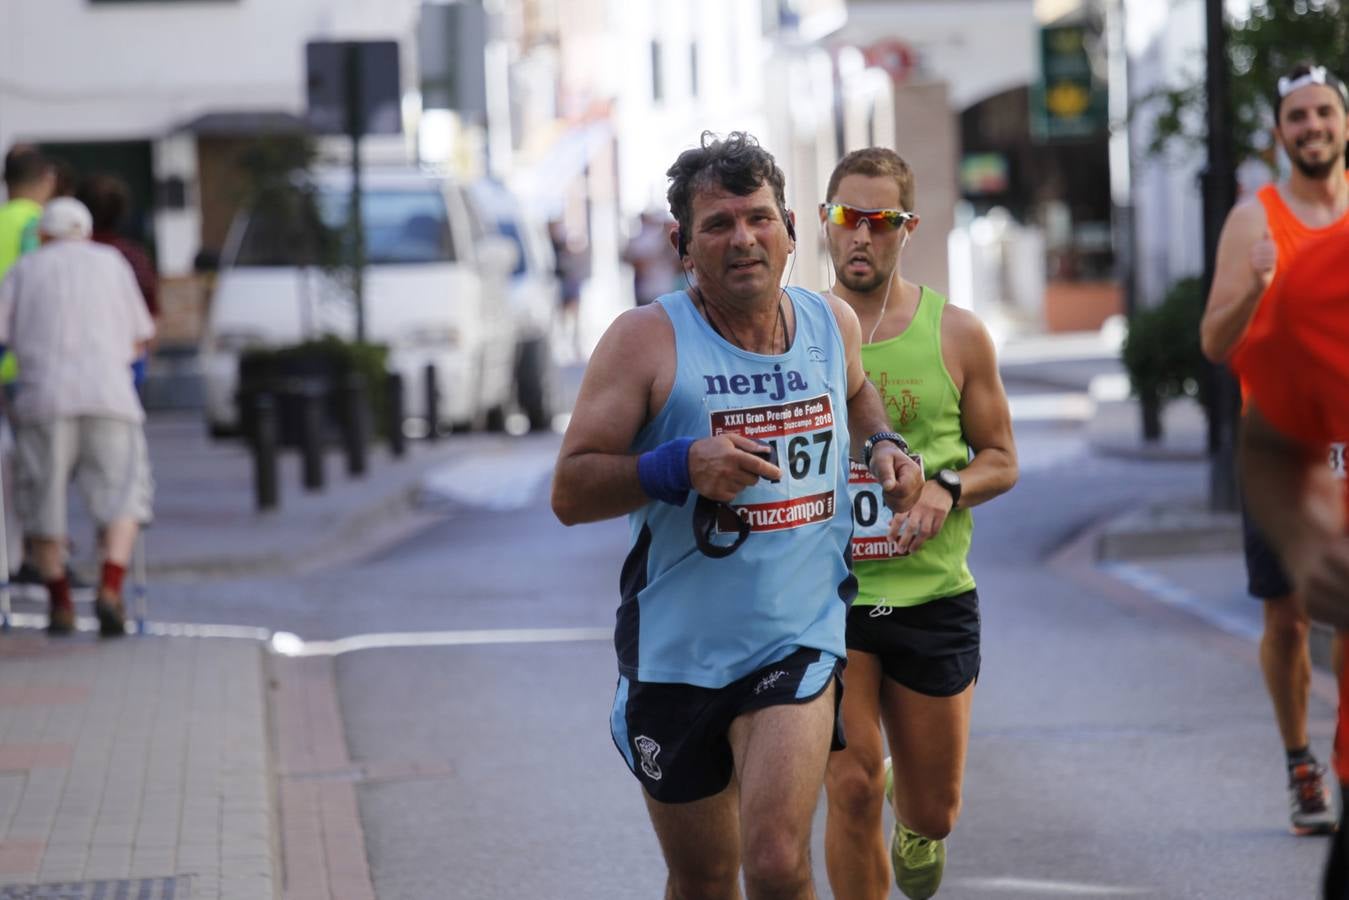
<point x="913" y="631"/>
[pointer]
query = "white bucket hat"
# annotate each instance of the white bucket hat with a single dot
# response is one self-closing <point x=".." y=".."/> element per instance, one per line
<point x="66" y="218"/>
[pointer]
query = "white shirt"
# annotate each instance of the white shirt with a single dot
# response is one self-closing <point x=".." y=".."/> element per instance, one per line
<point x="72" y="314"/>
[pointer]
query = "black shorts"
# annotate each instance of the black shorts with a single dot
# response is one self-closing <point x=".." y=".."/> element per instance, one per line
<point x="1265" y="577"/>
<point x="675" y="737"/>
<point x="932" y="648"/>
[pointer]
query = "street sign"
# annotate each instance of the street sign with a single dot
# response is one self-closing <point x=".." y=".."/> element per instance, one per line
<point x="379" y="110"/>
<point x="451" y="43"/>
<point x="1070" y="101"/>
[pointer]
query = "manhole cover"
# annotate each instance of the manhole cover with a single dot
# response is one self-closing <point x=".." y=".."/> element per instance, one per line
<point x="121" y="889"/>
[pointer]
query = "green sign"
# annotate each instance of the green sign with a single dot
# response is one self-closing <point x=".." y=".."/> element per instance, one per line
<point x="1069" y="102"/>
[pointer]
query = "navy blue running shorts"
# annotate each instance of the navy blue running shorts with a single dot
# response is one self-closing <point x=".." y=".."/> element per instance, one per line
<point x="1265" y="576"/>
<point x="931" y="648"/>
<point x="676" y="737"/>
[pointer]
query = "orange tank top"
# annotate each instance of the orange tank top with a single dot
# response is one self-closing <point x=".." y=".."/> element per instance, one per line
<point x="1289" y="235"/>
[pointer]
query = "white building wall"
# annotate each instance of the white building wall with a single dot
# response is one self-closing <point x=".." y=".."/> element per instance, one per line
<point x="1166" y="47"/>
<point x="979" y="47"/>
<point x="71" y="70"/>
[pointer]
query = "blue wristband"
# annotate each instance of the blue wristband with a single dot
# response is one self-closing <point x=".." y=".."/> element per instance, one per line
<point x="664" y="472"/>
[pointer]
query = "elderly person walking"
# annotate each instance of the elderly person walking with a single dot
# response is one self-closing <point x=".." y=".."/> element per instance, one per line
<point x="73" y="314"/>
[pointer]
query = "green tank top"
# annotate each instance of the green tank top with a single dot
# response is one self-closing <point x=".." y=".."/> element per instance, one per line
<point x="923" y="404"/>
<point x="18" y="235"/>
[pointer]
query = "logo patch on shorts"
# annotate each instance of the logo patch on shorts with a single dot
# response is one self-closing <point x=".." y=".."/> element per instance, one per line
<point x="769" y="680"/>
<point x="649" y="750"/>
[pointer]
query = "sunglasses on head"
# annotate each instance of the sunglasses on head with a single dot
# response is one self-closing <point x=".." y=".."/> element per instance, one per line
<point x="877" y="219"/>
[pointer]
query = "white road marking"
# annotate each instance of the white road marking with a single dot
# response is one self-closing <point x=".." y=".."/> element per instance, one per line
<point x="1070" y="406"/>
<point x="1042" y="888"/>
<point x="1173" y="595"/>
<point x="289" y="644"/>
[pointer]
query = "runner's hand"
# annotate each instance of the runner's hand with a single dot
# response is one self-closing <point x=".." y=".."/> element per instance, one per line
<point x="1264" y="259"/>
<point x="721" y="467"/>
<point x="900" y="478"/>
<point x="912" y="529"/>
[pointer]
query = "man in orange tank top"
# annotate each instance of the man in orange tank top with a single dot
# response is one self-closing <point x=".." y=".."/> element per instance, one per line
<point x="1259" y="242"/>
<point x="1297" y="417"/>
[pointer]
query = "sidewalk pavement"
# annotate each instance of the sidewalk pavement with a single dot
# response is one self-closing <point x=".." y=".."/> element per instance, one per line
<point x="163" y="767"/>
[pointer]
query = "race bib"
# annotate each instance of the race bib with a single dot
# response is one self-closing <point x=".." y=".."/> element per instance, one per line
<point x="798" y="437"/>
<point x="870" y="516"/>
<point x="1337" y="460"/>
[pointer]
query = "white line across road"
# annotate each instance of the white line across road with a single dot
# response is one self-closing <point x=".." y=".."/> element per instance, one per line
<point x="1044" y="888"/>
<point x="288" y="644"/>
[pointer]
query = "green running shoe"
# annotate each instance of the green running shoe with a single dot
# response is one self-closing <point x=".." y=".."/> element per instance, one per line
<point x="918" y="861"/>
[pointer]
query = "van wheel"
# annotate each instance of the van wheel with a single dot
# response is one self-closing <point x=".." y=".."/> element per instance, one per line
<point x="496" y="418"/>
<point x="534" y="383"/>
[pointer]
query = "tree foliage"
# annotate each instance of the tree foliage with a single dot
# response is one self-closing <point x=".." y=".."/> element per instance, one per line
<point x="1274" y="37"/>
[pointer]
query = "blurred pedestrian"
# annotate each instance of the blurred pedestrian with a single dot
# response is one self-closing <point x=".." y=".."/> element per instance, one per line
<point x="655" y="265"/>
<point x="571" y="261"/>
<point x="73" y="315"/>
<point x="109" y="201"/>
<point x="30" y="181"/>
<point x="1260" y="241"/>
<point x="730" y="653"/>
<point x="1296" y="419"/>
<point x="913" y="631"/>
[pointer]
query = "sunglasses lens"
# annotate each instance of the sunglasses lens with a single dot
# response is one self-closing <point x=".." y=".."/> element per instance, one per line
<point x="878" y="220"/>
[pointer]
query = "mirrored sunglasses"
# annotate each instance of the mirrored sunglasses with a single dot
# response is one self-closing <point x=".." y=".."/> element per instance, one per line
<point x="877" y="219"/>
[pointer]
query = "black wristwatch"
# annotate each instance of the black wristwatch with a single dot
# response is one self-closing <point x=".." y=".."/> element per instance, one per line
<point x="871" y="442"/>
<point x="950" y="479"/>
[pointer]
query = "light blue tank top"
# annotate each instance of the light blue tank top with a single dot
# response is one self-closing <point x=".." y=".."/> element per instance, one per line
<point x="688" y="618"/>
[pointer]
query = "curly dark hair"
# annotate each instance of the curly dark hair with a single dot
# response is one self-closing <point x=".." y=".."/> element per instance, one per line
<point x="736" y="163"/>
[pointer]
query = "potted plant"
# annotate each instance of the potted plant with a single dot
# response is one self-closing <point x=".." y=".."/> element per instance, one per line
<point x="1162" y="353"/>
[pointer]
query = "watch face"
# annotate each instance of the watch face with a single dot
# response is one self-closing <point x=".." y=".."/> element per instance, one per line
<point x="948" y="477"/>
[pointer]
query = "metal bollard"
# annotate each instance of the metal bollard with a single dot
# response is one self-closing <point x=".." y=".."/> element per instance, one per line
<point x="355" y="423"/>
<point x="264" y="451"/>
<point x="432" y="403"/>
<point x="393" y="385"/>
<point x="311" y="436"/>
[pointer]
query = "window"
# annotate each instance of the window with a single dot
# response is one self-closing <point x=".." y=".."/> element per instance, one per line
<point x="401" y="226"/>
<point x="657" y="76"/>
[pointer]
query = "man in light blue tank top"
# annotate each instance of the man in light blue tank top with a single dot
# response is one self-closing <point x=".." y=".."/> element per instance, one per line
<point x="730" y="632"/>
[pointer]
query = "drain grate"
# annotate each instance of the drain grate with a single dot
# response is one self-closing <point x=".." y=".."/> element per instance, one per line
<point x="120" y="889"/>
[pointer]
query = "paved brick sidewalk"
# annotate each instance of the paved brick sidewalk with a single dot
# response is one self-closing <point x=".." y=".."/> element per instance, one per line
<point x="140" y="762"/>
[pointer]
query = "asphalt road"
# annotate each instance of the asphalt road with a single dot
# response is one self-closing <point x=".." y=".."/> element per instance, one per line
<point x="1119" y="750"/>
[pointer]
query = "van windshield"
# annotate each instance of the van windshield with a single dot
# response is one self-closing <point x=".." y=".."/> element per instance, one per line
<point x="401" y="226"/>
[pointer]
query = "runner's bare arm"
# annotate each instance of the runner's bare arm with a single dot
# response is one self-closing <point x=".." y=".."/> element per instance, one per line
<point x="596" y="473"/>
<point x="1293" y="495"/>
<point x="1237" y="281"/>
<point x="984" y="414"/>
<point x="900" y="478"/>
<point x="626" y="382"/>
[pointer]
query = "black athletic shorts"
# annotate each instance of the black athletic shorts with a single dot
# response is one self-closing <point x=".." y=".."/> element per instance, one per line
<point x="1265" y="576"/>
<point x="675" y="737"/>
<point x="932" y="648"/>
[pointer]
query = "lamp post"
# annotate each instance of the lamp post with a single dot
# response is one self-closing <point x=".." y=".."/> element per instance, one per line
<point x="1219" y="188"/>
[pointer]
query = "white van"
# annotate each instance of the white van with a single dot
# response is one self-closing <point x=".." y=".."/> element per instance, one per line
<point x="434" y="289"/>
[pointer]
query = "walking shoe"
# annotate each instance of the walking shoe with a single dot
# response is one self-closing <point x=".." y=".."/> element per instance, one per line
<point x="111" y="617"/>
<point x="1309" y="800"/>
<point x="28" y="574"/>
<point x="60" y="619"/>
<point x="918" y="861"/>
